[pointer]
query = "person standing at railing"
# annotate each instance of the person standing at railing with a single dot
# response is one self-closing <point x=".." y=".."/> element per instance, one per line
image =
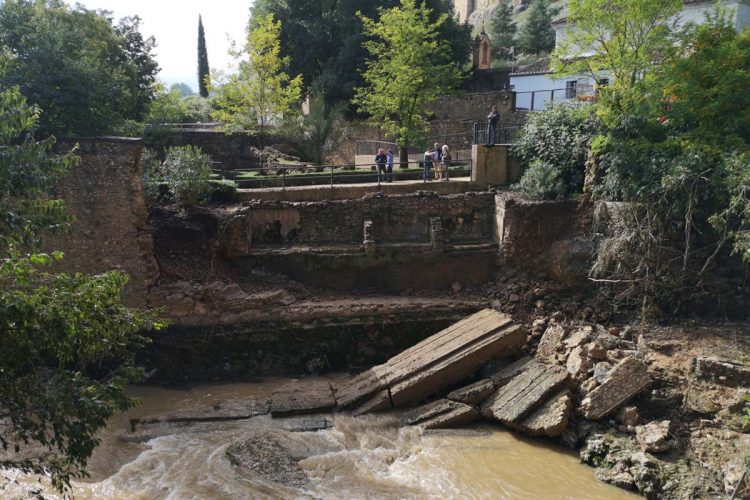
<point x="437" y="156"/>
<point x="389" y="166"/>
<point x="492" y="121"/>
<point x="446" y="160"/>
<point x="380" y="160"/>
<point x="427" y="163"/>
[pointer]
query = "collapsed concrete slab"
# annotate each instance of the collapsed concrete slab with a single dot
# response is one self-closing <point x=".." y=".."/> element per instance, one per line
<point x="441" y="414"/>
<point x="310" y="396"/>
<point x="435" y="363"/>
<point x="625" y="380"/>
<point x="475" y="393"/>
<point x="511" y="371"/>
<point x="550" y="419"/>
<point x="524" y="393"/>
<point x="550" y="342"/>
<point x="233" y="409"/>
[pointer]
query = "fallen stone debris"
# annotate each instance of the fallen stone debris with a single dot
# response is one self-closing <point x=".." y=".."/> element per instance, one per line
<point x="605" y="391"/>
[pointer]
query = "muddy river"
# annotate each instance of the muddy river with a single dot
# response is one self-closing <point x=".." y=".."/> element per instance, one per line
<point x="366" y="457"/>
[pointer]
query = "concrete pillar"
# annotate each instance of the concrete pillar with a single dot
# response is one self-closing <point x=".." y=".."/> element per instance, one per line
<point x="489" y="165"/>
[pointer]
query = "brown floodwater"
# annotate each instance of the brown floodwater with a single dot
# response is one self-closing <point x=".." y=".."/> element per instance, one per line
<point x="365" y="457"/>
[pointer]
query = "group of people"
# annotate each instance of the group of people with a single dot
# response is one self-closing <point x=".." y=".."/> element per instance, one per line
<point x="440" y="159"/>
<point x="437" y="157"/>
<point x="384" y="161"/>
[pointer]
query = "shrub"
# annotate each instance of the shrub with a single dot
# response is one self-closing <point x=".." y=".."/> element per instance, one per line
<point x="557" y="137"/>
<point x="153" y="177"/>
<point x="187" y="172"/>
<point x="542" y="181"/>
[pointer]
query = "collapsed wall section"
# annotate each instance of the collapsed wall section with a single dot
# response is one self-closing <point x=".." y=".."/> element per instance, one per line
<point x="104" y="193"/>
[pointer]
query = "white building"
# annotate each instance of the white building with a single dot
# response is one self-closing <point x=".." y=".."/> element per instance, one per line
<point x="535" y="86"/>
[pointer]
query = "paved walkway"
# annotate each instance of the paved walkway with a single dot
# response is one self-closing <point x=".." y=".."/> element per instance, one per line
<point x="349" y="191"/>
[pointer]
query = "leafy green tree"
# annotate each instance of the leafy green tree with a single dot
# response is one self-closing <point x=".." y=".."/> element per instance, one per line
<point x="553" y="148"/>
<point x="319" y="131"/>
<point x="323" y="39"/>
<point x="67" y="341"/>
<point x="406" y="72"/>
<point x="203" y="68"/>
<point x="261" y="93"/>
<point x="621" y="38"/>
<point x="537" y="34"/>
<point x="183" y="88"/>
<point x="138" y="63"/>
<point x="87" y="74"/>
<point x="503" y="31"/>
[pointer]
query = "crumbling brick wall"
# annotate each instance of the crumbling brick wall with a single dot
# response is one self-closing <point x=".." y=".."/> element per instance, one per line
<point x="104" y="193"/>
<point x="466" y="218"/>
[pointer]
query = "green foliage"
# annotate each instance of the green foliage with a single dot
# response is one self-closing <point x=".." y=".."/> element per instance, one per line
<point x="170" y="107"/>
<point x="261" y="93"/>
<point x="28" y="172"/>
<point x="543" y="181"/>
<point x="67" y="342"/>
<point x="153" y="177"/>
<point x="678" y="145"/>
<point x="537" y="34"/>
<point x="87" y="74"/>
<point x="556" y="139"/>
<point x="318" y="132"/>
<point x="503" y="31"/>
<point x="405" y="71"/>
<point x="323" y="39"/>
<point x="621" y="39"/>
<point x="203" y="68"/>
<point x="187" y="172"/>
<point x="704" y="87"/>
<point x="183" y="88"/>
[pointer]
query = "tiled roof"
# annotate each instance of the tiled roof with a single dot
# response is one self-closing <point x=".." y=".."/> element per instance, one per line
<point x="538" y="68"/>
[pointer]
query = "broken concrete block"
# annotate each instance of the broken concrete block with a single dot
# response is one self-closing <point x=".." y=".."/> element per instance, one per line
<point x="503" y="376"/>
<point x="359" y="387"/>
<point x="628" y="415"/>
<point x="722" y="372"/>
<point x="475" y="393"/>
<point x="309" y="396"/>
<point x="578" y="363"/>
<point x="233" y="409"/>
<point x="435" y="363"/>
<point x="550" y="419"/>
<point x="441" y="414"/>
<point x="596" y="351"/>
<point x="579" y="337"/>
<point x="518" y="398"/>
<point x="550" y="342"/>
<point x="654" y="436"/>
<point x="588" y="386"/>
<point x="601" y="371"/>
<point x="625" y="380"/>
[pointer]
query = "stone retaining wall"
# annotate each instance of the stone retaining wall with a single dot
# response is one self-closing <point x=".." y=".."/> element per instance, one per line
<point x="104" y="193"/>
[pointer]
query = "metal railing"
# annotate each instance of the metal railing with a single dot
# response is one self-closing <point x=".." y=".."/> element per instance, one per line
<point x="456" y="141"/>
<point x="538" y="100"/>
<point x="506" y="133"/>
<point x="186" y="126"/>
<point x="280" y="176"/>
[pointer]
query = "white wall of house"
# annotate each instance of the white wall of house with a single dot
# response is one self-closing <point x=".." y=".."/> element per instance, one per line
<point x="696" y="13"/>
<point x="541" y="87"/>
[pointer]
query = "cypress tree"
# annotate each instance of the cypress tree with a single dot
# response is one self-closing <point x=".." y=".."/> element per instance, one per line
<point x="202" y="60"/>
<point x="537" y="34"/>
<point x="503" y="30"/>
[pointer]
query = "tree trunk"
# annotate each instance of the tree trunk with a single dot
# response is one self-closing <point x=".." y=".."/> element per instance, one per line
<point x="403" y="156"/>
